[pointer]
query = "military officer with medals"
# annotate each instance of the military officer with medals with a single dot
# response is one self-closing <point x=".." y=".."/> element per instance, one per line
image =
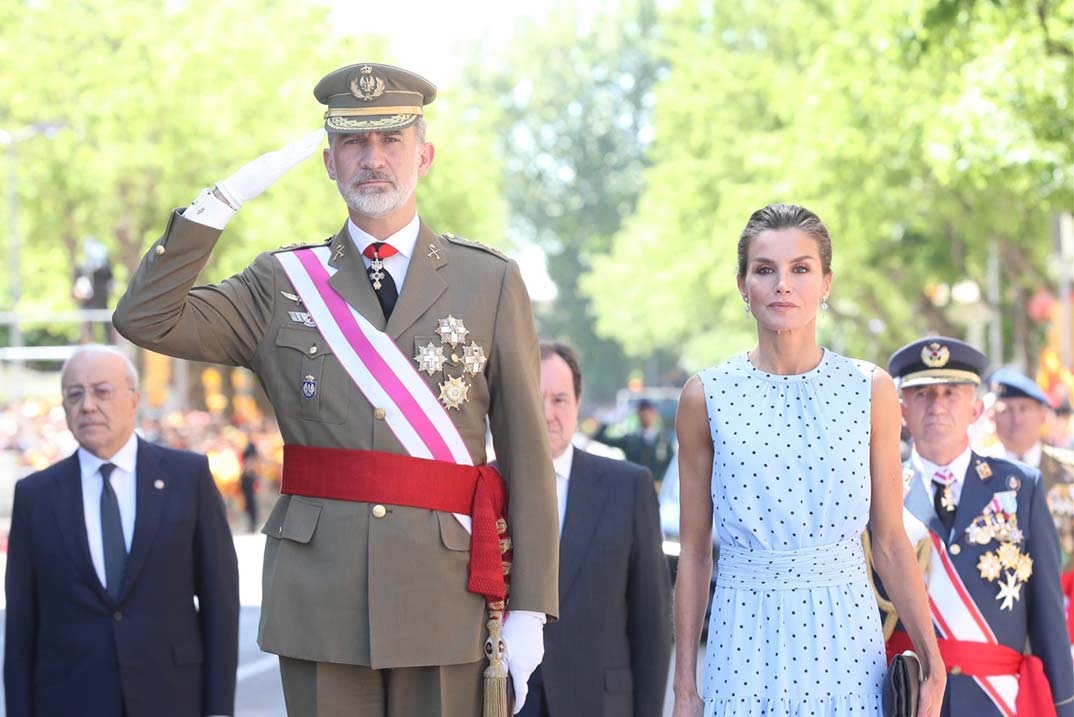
<point x="1019" y="414"/>
<point x="385" y="351"/>
<point x="986" y="544"/>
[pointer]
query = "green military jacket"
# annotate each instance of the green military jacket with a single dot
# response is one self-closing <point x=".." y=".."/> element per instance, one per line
<point x="343" y="583"/>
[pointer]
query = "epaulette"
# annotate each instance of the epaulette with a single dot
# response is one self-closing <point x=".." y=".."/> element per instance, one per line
<point x="1064" y="456"/>
<point x="296" y="245"/>
<point x="474" y="244"/>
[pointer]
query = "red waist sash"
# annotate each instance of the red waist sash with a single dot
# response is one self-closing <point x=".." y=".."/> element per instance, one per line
<point x="982" y="659"/>
<point x="376" y="477"/>
<point x="1066" y="580"/>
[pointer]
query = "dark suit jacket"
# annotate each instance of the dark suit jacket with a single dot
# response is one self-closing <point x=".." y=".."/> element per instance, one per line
<point x="609" y="652"/>
<point x="70" y="649"/>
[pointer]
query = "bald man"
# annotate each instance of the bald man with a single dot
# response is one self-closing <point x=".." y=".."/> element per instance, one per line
<point x="108" y="551"/>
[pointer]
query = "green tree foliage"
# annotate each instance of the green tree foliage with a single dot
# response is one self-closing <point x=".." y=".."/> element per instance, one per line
<point x="575" y="107"/>
<point x="162" y="97"/>
<point x="920" y="137"/>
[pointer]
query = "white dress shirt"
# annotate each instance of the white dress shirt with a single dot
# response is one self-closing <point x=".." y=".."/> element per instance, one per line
<point x="562" y="466"/>
<point x="123" y="484"/>
<point x="1030" y="457"/>
<point x="927" y="469"/>
<point x="403" y="241"/>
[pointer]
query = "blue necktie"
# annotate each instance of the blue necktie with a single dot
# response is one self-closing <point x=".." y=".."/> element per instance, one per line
<point x="115" y="547"/>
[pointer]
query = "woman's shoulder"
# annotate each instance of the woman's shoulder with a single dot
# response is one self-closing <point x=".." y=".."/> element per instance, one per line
<point x="731" y="366"/>
<point x="837" y="363"/>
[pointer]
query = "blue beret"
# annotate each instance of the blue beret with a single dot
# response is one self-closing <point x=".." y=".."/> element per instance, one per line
<point x="937" y="359"/>
<point x="1008" y="383"/>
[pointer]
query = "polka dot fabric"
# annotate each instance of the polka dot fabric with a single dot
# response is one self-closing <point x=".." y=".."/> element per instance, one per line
<point x="794" y="627"/>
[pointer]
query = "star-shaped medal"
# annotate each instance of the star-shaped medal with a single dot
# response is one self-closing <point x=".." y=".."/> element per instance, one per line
<point x="453" y="392"/>
<point x="1024" y="570"/>
<point x="1009" y="591"/>
<point x="1009" y="555"/>
<point x="430" y="358"/>
<point x="452" y="331"/>
<point x="473" y="358"/>
<point x="989" y="566"/>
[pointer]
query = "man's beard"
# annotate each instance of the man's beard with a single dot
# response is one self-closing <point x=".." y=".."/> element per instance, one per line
<point x="375" y="203"/>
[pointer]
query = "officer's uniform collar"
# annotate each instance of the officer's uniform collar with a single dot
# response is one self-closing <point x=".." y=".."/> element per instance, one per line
<point x="403" y="240"/>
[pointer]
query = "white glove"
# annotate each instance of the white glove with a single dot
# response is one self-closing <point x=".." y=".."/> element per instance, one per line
<point x="523" y="640"/>
<point x="260" y="174"/>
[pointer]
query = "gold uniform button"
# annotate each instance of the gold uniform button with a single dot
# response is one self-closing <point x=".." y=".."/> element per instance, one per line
<point x="379" y="414"/>
<point x="956" y="549"/>
<point x="313" y="349"/>
<point x="160" y="249"/>
<point x="379" y="511"/>
<point x="956" y="670"/>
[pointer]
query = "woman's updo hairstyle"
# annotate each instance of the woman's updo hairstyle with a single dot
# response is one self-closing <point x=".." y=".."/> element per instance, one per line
<point x="784" y="216"/>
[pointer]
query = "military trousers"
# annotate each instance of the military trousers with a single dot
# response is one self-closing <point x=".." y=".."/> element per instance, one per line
<point x="325" y="689"/>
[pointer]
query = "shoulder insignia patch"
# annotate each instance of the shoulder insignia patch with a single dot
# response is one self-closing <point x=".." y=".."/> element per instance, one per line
<point x="474" y="244"/>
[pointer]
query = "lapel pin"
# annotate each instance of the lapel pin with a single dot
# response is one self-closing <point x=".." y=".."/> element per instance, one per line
<point x="983" y="470"/>
<point x="434" y="253"/>
<point x="158" y="484"/>
<point x="339" y="253"/>
<point x="1013" y="483"/>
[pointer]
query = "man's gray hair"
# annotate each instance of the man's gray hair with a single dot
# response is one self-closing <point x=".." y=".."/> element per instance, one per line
<point x="132" y="371"/>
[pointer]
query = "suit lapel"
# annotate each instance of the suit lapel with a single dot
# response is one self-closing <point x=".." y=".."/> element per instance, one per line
<point x="919" y="503"/>
<point x="351" y="280"/>
<point x="976" y="493"/>
<point x="150" y="504"/>
<point x="422" y="285"/>
<point x="585" y="492"/>
<point x="71" y="518"/>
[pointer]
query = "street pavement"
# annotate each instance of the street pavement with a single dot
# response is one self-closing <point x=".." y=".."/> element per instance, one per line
<point x="259" y="693"/>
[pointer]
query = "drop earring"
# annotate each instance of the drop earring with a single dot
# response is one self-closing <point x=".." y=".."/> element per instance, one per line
<point x="747" y="305"/>
<point x="824" y="303"/>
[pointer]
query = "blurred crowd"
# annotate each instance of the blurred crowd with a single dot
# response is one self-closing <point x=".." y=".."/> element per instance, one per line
<point x="34" y="435"/>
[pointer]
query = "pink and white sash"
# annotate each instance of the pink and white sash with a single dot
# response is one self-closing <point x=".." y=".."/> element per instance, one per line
<point x="376" y="365"/>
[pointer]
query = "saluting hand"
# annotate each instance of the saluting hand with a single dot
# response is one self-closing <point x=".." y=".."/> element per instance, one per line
<point x="260" y="174"/>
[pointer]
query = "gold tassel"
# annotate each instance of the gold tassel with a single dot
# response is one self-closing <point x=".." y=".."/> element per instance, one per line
<point x="496" y="672"/>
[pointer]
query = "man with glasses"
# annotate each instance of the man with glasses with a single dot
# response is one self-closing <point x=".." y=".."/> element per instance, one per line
<point x="108" y="551"/>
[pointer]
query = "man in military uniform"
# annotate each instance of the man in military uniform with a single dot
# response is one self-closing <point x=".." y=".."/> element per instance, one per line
<point x="988" y="548"/>
<point x="384" y="352"/>
<point x="1019" y="413"/>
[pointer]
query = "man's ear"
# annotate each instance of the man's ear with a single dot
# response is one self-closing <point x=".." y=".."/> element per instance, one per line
<point x="329" y="161"/>
<point x="425" y="158"/>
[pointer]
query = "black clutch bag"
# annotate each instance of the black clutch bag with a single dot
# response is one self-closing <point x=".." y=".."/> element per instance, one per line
<point x="902" y="685"/>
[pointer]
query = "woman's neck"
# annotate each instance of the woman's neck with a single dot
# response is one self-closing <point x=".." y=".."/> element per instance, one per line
<point x="786" y="352"/>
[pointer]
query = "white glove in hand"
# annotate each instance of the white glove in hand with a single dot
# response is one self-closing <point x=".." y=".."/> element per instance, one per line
<point x="260" y="174"/>
<point x="523" y="639"/>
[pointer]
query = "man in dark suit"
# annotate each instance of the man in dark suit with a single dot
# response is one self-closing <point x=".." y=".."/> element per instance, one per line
<point x="107" y="553"/>
<point x="989" y="550"/>
<point x="649" y="444"/>
<point x="609" y="652"/>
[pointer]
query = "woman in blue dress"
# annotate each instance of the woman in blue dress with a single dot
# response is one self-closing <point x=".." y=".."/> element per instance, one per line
<point x="791" y="450"/>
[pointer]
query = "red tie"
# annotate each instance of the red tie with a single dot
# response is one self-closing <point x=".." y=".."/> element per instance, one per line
<point x="379" y="250"/>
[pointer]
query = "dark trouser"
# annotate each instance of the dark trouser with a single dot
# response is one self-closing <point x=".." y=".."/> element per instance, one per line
<point x="324" y="689"/>
<point x="536" y="705"/>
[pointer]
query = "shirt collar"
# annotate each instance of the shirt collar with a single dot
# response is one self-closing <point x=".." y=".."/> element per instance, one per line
<point x="1031" y="457"/>
<point x="403" y="240"/>
<point x="562" y="465"/>
<point x="927" y="468"/>
<point x="124" y="458"/>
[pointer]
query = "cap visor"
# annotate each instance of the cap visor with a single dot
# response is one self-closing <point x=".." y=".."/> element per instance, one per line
<point x="372" y="123"/>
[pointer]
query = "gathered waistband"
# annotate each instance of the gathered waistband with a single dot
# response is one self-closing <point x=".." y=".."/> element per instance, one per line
<point x="829" y="565"/>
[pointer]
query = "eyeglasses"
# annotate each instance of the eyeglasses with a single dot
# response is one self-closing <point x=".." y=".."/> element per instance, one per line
<point x="102" y="393"/>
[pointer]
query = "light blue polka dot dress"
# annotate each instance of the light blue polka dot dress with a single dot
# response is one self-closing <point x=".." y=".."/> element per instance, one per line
<point x="794" y="629"/>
